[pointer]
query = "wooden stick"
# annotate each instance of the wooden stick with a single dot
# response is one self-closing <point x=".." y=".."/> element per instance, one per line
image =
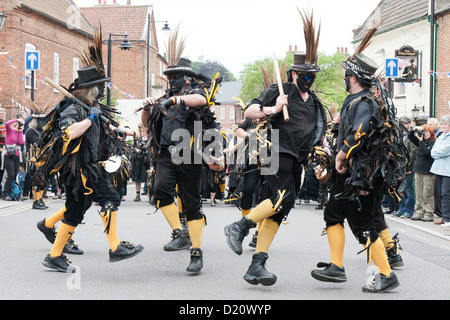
<point x="70" y="96"/>
<point x="280" y="87"/>
<point x="147" y="104"/>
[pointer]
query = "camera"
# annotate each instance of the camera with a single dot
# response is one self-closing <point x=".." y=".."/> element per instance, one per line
<point x="420" y="133"/>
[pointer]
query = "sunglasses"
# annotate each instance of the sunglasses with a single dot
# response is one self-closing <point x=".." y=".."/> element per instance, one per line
<point x="306" y="77"/>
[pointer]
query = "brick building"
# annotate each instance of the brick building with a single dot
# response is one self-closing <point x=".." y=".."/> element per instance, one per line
<point x="57" y="30"/>
<point x="129" y="68"/>
<point x="443" y="58"/>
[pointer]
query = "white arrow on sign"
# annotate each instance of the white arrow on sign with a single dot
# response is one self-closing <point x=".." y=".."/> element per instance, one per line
<point x="392" y="65"/>
<point x="32" y="58"/>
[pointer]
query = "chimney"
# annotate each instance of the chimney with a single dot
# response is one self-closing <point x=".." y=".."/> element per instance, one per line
<point x="295" y="48"/>
<point x="128" y="2"/>
<point x="99" y="2"/>
<point x="290" y="48"/>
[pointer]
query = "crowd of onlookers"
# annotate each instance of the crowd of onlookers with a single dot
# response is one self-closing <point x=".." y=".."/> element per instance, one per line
<point x="426" y="191"/>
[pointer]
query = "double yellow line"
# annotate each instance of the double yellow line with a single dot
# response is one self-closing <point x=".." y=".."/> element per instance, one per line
<point x="19" y="208"/>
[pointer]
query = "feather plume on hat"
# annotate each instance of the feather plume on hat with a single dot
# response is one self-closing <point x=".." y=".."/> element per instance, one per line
<point x="38" y="111"/>
<point x="367" y="40"/>
<point x="311" y="36"/>
<point x="94" y="56"/>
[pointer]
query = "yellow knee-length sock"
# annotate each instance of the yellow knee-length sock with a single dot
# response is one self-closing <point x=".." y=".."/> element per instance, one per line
<point x="196" y="232"/>
<point x="37" y="195"/>
<point x="385" y="236"/>
<point x="50" y="222"/>
<point x="336" y="241"/>
<point x="245" y="212"/>
<point x="179" y="205"/>
<point x="172" y="216"/>
<point x="266" y="235"/>
<point x="64" y="234"/>
<point x="262" y="211"/>
<point x="110" y="223"/>
<point x="379" y="257"/>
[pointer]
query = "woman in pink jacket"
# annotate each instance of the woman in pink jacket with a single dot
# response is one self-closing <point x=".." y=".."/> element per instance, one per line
<point x="12" y="153"/>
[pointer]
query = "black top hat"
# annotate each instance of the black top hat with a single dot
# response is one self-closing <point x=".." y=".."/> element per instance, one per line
<point x="89" y="77"/>
<point x="183" y="66"/>
<point x="300" y="65"/>
<point x="362" y="67"/>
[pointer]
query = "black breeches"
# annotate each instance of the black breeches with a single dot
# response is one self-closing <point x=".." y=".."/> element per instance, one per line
<point x="359" y="215"/>
<point x="102" y="193"/>
<point x="188" y="177"/>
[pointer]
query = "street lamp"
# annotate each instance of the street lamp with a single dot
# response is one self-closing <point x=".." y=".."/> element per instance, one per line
<point x="125" y="45"/>
<point x="2" y="20"/>
<point x="415" y="111"/>
<point x="166" y="31"/>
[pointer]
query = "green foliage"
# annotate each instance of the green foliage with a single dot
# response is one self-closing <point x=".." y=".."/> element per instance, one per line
<point x="210" y="68"/>
<point x="329" y="84"/>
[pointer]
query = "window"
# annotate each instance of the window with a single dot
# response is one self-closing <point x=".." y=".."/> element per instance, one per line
<point x="76" y="66"/>
<point x="56" y="69"/>
<point x="222" y="113"/>
<point x="232" y="113"/>
<point x="400" y="90"/>
<point x="29" y="47"/>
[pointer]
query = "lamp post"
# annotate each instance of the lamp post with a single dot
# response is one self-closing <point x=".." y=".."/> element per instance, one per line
<point x="415" y="111"/>
<point x="165" y="30"/>
<point x="2" y="20"/>
<point x="125" y="45"/>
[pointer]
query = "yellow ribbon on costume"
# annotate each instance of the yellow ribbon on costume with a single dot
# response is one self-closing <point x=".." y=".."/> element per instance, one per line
<point x="84" y="180"/>
<point x="67" y="138"/>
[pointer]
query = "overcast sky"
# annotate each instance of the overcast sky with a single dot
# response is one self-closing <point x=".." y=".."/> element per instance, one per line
<point x="237" y="32"/>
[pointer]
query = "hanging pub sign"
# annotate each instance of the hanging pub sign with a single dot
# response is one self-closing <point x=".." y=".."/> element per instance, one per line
<point x="408" y="59"/>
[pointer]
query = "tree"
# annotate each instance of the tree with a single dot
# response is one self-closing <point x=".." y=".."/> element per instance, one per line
<point x="210" y="68"/>
<point x="328" y="85"/>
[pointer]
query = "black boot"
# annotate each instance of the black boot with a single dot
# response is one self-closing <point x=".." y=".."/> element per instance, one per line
<point x="49" y="233"/>
<point x="42" y="203"/>
<point x="196" y="263"/>
<point x="60" y="263"/>
<point x="236" y="232"/>
<point x="257" y="273"/>
<point x="125" y="250"/>
<point x="381" y="283"/>
<point x="331" y="273"/>
<point x="72" y="248"/>
<point x="254" y="240"/>
<point x="394" y="258"/>
<point x="179" y="241"/>
<point x="38" y="206"/>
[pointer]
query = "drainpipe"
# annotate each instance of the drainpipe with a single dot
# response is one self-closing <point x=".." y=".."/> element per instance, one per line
<point x="432" y="59"/>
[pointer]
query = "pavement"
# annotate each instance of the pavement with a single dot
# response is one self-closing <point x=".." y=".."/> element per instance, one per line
<point x="427" y="227"/>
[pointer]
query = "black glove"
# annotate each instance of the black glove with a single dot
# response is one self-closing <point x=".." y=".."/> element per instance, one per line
<point x="94" y="114"/>
<point x="120" y="133"/>
<point x="165" y="104"/>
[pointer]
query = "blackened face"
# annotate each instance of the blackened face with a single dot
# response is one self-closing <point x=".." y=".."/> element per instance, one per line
<point x="305" y="80"/>
<point x="177" y="83"/>
<point x="101" y="91"/>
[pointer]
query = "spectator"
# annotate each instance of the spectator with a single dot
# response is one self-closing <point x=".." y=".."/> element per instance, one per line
<point x="140" y="161"/>
<point x="423" y="137"/>
<point x="2" y="143"/>
<point x="433" y="123"/>
<point x="441" y="168"/>
<point x="406" y="206"/>
<point x="14" y="142"/>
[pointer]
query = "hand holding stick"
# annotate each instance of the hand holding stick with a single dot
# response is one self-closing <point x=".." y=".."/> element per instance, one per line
<point x="280" y="87"/>
<point x="148" y="104"/>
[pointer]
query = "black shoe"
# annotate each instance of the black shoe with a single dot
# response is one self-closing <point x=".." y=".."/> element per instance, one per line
<point x="254" y="240"/>
<point x="196" y="263"/>
<point x="41" y="202"/>
<point x="236" y="232"/>
<point x="394" y="258"/>
<point x="60" y="263"/>
<point x="125" y="250"/>
<point x="38" y="206"/>
<point x="49" y="233"/>
<point x="72" y="248"/>
<point x="180" y="241"/>
<point x="257" y="273"/>
<point x="381" y="283"/>
<point x="331" y="273"/>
